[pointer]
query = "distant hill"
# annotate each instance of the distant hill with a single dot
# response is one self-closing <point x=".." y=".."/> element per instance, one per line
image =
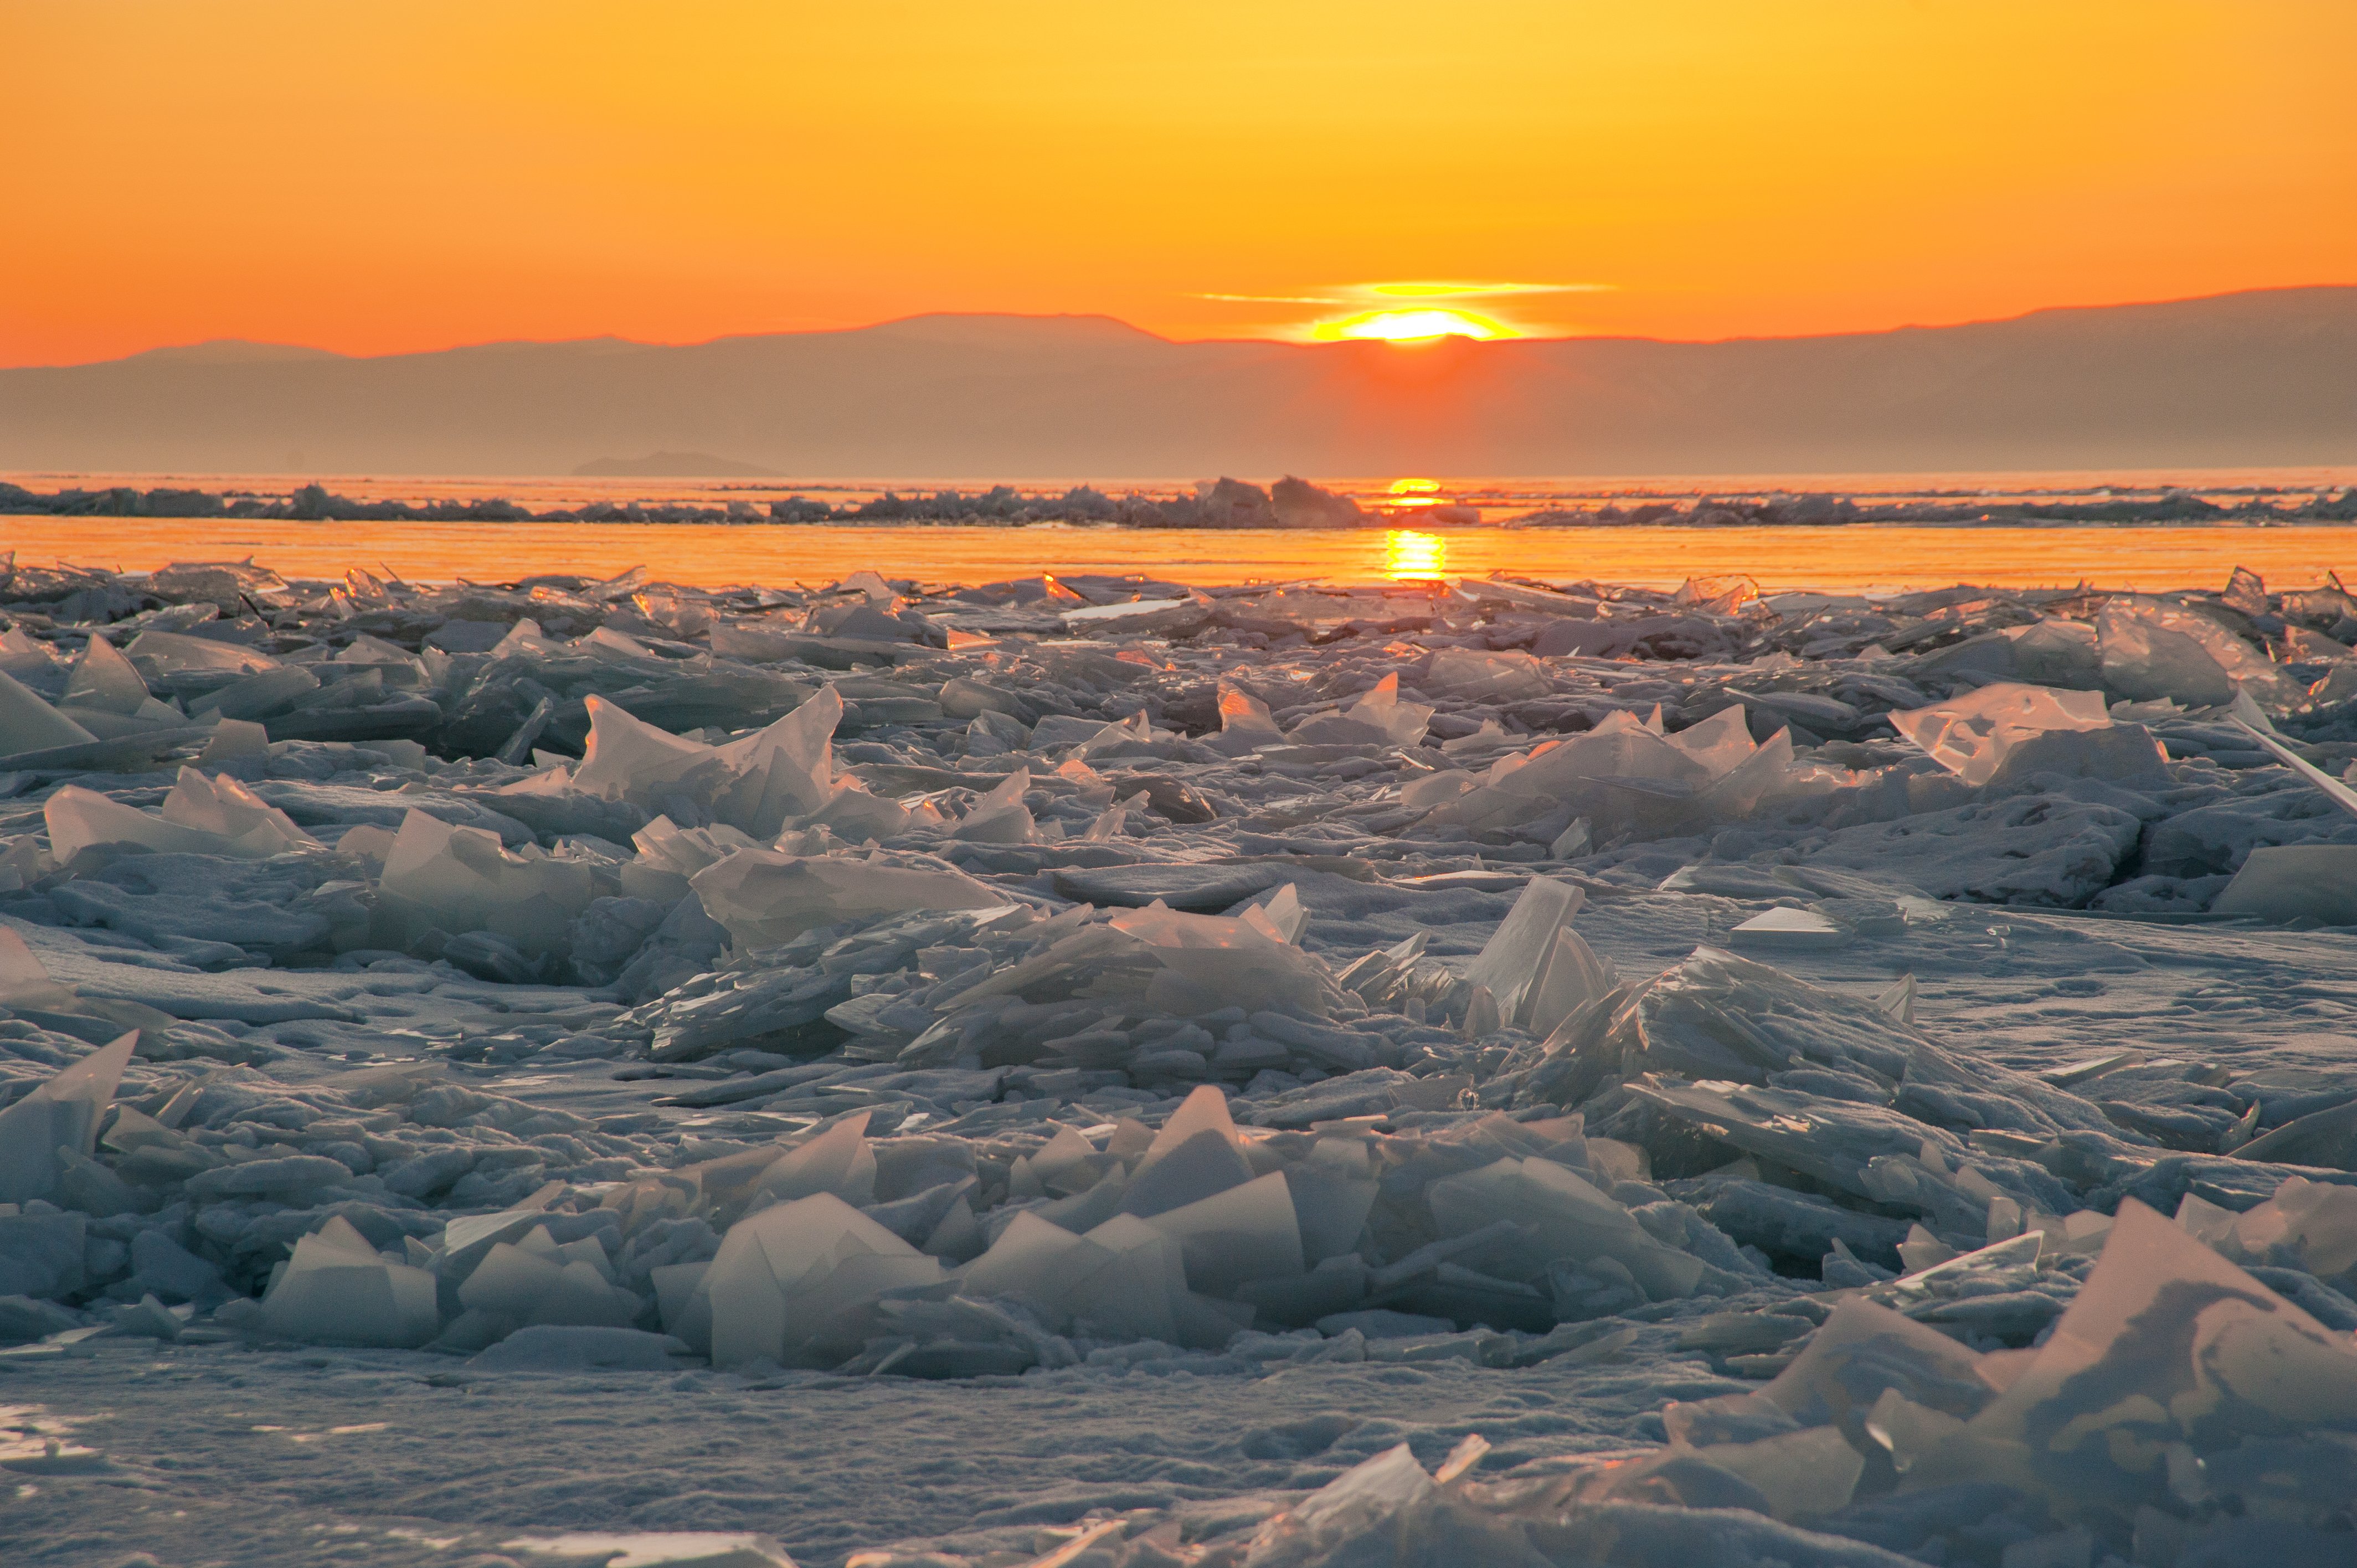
<point x="228" y="351"/>
<point x="672" y="466"/>
<point x="2260" y="378"/>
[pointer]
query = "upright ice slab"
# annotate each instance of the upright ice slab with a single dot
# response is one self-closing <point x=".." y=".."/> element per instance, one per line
<point x="1524" y="945"/>
<point x="28" y="724"/>
<point x="59" y="1121"/>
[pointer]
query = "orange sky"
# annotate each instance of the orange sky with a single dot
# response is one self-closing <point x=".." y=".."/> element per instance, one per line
<point x="386" y="178"/>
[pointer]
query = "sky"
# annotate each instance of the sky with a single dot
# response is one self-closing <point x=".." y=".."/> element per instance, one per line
<point x="390" y="178"/>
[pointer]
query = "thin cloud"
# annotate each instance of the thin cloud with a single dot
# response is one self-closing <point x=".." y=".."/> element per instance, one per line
<point x="1361" y="295"/>
<point x="1273" y="298"/>
<point x="1436" y="289"/>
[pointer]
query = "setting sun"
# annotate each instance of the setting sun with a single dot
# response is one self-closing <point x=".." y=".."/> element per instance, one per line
<point x="1419" y="325"/>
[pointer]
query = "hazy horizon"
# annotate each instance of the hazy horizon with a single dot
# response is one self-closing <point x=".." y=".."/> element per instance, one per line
<point x="195" y="349"/>
<point x="2262" y="377"/>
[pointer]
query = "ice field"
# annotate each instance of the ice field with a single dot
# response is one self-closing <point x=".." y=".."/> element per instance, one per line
<point x="1097" y="1073"/>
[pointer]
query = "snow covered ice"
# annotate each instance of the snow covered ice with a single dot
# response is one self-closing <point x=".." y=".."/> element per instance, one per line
<point x="1100" y="1072"/>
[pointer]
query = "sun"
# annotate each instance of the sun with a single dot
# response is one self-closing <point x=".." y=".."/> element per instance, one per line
<point x="1419" y="325"/>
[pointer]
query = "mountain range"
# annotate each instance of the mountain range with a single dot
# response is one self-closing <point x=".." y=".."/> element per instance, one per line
<point x="2257" y="378"/>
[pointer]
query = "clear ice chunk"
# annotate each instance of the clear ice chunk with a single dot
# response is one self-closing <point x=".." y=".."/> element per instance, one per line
<point x="2280" y="882"/>
<point x="1559" y="1217"/>
<point x="458" y="880"/>
<point x="999" y="816"/>
<point x="1246" y="718"/>
<point x="1214" y="961"/>
<point x="753" y="784"/>
<point x="1970" y="735"/>
<point x="1863" y="1349"/>
<point x="60" y="1116"/>
<point x="1790" y="931"/>
<point x="79" y="819"/>
<point x="1622" y="776"/>
<point x="790" y="1281"/>
<point x="626" y="759"/>
<point x="2165" y="1347"/>
<point x="1379" y="718"/>
<point x="837" y="1161"/>
<point x="103" y="680"/>
<point x="28" y="724"/>
<point x="1037" y="1263"/>
<point x="1139" y="1291"/>
<point x="1571" y="977"/>
<point x="2158" y="621"/>
<point x="335" y="1290"/>
<point x="764" y="898"/>
<point x="254" y="828"/>
<point x="536" y="1281"/>
<point x="217" y="816"/>
<point x="1510" y="962"/>
<point x="1247" y="1233"/>
<point x="1802" y="1474"/>
<point x="177" y="653"/>
<point x="2144" y="659"/>
<point x="1481" y="675"/>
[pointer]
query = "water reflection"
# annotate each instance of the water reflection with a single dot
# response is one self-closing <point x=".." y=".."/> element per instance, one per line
<point x="711" y="554"/>
<point x="1410" y="556"/>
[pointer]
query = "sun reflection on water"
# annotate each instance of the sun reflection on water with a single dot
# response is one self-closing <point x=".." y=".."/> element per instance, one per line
<point x="1410" y="556"/>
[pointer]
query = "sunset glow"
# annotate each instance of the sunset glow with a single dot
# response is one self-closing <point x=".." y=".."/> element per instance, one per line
<point x="1412" y="327"/>
<point x="374" y="180"/>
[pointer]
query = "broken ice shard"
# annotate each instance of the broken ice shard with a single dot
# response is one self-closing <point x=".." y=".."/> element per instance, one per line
<point x="1970" y="735"/>
<point x="335" y="1290"/>
<point x="59" y="1119"/>
<point x="201" y="816"/>
<point x="1379" y="718"/>
<point x="454" y="880"/>
<point x="764" y="898"/>
<point x="1510" y="963"/>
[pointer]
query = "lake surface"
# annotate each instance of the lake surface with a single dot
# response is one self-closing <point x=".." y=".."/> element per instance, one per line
<point x="1859" y="557"/>
<point x="1875" y="555"/>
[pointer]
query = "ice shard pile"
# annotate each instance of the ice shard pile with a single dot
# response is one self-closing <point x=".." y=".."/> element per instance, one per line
<point x="1908" y="1026"/>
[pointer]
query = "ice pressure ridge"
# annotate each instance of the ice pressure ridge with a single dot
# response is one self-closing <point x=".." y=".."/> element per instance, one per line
<point x="950" y="967"/>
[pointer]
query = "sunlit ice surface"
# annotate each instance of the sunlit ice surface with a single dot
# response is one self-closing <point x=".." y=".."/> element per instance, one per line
<point x="1410" y="556"/>
<point x="1419" y="325"/>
